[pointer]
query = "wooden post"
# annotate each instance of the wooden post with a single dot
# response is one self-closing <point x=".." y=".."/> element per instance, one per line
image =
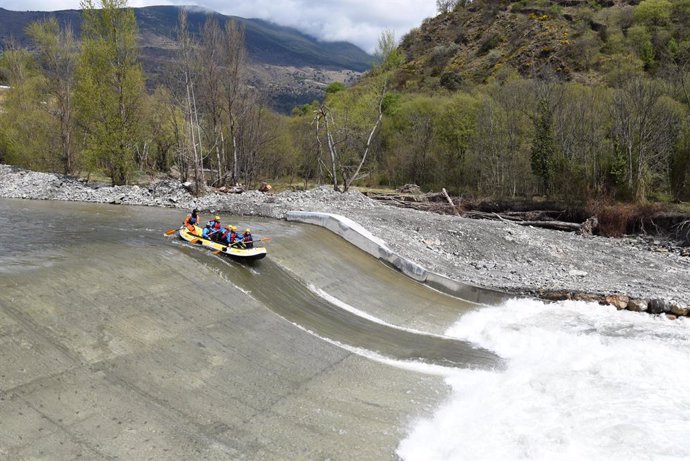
<point x="452" y="205"/>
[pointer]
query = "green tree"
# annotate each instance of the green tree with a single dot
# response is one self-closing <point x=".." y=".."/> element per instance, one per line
<point x="410" y="141"/>
<point x="679" y="167"/>
<point x="542" y="154"/>
<point x="57" y="56"/>
<point x="388" y="53"/>
<point x="26" y="127"/>
<point x="455" y="130"/>
<point x="641" y="41"/>
<point x="156" y="151"/>
<point x="653" y="12"/>
<point x="110" y="87"/>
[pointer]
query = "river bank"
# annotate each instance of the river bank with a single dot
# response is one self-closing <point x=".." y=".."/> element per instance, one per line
<point x="634" y="273"/>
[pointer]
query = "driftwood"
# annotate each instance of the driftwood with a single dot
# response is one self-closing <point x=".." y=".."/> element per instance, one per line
<point x="555" y="225"/>
<point x="452" y="205"/>
<point x="440" y="202"/>
<point x="513" y="218"/>
<point x="407" y="197"/>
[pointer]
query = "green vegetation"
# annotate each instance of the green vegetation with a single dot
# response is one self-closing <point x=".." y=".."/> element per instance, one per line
<point x="490" y="99"/>
<point x="110" y="88"/>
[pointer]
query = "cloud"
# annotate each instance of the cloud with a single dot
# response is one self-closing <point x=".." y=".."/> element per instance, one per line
<point x="358" y="21"/>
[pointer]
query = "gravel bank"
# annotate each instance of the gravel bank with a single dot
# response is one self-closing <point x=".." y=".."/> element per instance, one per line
<point x="636" y="273"/>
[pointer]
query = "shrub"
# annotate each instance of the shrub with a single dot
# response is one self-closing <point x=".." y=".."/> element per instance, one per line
<point x="617" y="219"/>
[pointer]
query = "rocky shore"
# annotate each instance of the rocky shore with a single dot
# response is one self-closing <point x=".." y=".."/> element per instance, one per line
<point x="634" y="273"/>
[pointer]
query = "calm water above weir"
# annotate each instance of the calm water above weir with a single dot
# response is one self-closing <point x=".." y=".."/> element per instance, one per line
<point x="75" y="234"/>
<point x="118" y="342"/>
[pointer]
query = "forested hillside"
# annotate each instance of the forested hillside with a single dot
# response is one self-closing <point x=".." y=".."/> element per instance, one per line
<point x="568" y="99"/>
<point x="574" y="101"/>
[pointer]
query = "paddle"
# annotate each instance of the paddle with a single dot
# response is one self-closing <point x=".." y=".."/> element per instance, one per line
<point x="234" y="245"/>
<point x="171" y="231"/>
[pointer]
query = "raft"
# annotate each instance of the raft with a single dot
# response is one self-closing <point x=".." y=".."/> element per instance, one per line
<point x="245" y="254"/>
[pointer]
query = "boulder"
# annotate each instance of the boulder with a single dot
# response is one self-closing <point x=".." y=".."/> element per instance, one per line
<point x="555" y="295"/>
<point x="619" y="301"/>
<point x="265" y="187"/>
<point x="679" y="310"/>
<point x="659" y="306"/>
<point x="637" y="305"/>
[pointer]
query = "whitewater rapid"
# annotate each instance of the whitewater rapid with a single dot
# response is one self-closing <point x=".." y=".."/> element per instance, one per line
<point x="582" y="381"/>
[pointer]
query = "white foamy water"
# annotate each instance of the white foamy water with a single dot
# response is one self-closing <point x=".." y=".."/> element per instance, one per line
<point x="583" y="382"/>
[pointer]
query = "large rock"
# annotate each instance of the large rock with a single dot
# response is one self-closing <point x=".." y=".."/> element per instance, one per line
<point x="659" y="306"/>
<point x="637" y="305"/>
<point x="620" y="301"/>
<point x="679" y="310"/>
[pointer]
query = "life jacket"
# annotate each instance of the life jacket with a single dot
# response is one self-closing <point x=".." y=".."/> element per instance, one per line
<point x="213" y="225"/>
<point x="247" y="240"/>
<point x="191" y="220"/>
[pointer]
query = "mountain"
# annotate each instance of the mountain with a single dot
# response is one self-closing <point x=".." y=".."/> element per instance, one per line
<point x="290" y="66"/>
<point x="588" y="41"/>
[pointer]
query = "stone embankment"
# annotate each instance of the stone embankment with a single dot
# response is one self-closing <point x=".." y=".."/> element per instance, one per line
<point x="635" y="273"/>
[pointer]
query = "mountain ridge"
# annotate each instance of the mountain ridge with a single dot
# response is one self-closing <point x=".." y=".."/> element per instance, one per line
<point x="291" y="65"/>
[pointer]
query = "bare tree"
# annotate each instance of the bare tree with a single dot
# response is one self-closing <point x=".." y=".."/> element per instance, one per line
<point x="347" y="149"/>
<point x="644" y="128"/>
<point x="211" y="59"/>
<point x="192" y="138"/>
<point x="444" y="6"/>
<point x="233" y="86"/>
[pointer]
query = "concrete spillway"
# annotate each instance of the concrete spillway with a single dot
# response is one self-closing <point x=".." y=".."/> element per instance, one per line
<point x="118" y="343"/>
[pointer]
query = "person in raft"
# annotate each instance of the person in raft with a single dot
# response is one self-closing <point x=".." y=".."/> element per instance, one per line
<point x="212" y="228"/>
<point x="192" y="220"/>
<point x="229" y="237"/>
<point x="247" y="239"/>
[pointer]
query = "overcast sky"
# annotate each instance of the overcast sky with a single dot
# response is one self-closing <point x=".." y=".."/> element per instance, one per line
<point x="357" y="21"/>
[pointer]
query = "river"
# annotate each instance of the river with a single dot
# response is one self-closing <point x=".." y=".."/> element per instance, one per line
<point x="118" y="342"/>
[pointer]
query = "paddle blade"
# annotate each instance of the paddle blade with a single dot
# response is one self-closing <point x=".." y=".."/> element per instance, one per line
<point x="266" y="239"/>
<point x="170" y="231"/>
<point x="195" y="241"/>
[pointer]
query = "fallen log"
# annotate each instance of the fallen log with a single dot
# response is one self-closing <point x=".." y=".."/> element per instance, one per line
<point x="396" y="197"/>
<point x="545" y="224"/>
<point x="554" y="225"/>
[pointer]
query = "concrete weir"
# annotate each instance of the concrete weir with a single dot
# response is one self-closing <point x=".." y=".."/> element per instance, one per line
<point x="363" y="239"/>
<point x="118" y="343"/>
